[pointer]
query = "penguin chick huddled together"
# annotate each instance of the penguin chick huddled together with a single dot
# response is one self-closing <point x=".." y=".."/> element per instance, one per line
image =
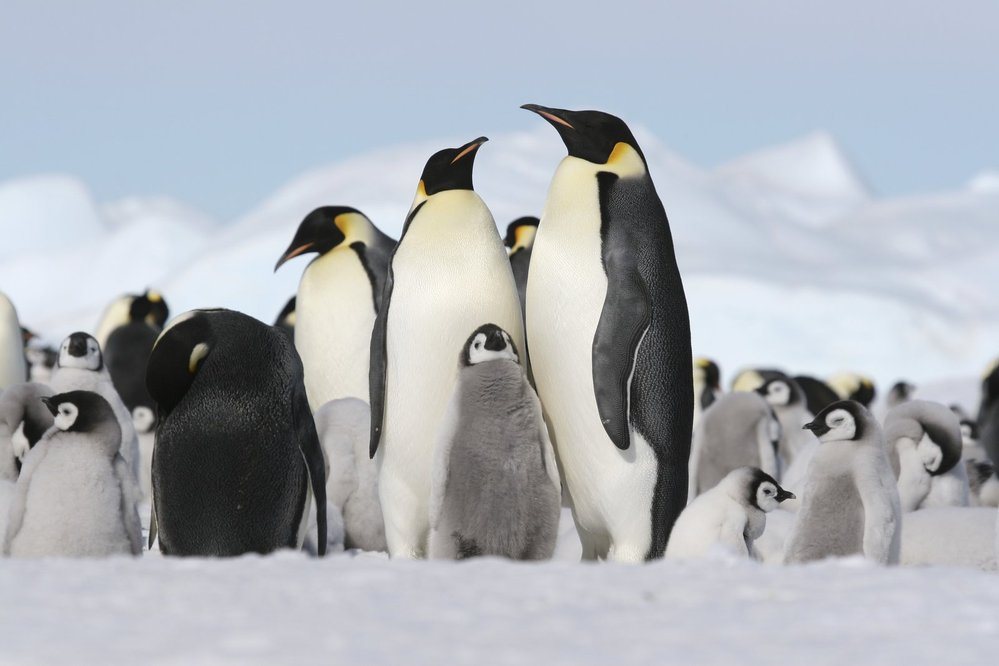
<point x="495" y="488"/>
<point x="924" y="443"/>
<point x="849" y="500"/>
<point x="75" y="496"/>
<point x="728" y="517"/>
<point x="237" y="460"/>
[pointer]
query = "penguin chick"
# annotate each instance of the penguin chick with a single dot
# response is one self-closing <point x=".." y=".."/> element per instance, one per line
<point x="737" y="430"/>
<point x="788" y="401"/>
<point x="901" y="391"/>
<point x="707" y="385"/>
<point x="495" y="488"/>
<point x="924" y="445"/>
<point x="21" y="411"/>
<point x="81" y="367"/>
<point x="344" y="428"/>
<point x="849" y="502"/>
<point x="731" y="515"/>
<point x="75" y="496"/>
<point x="144" y="420"/>
<point x="519" y="241"/>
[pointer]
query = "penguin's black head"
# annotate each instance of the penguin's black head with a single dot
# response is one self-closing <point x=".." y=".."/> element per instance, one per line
<point x="990" y="386"/>
<point x="80" y="350"/>
<point x="287" y="315"/>
<point x="322" y="230"/>
<point x="589" y="135"/>
<point x="176" y="358"/>
<point x="841" y="421"/>
<point x="450" y="169"/>
<point x="763" y="491"/>
<point x="780" y="392"/>
<point x="489" y="342"/>
<point x="79" y="411"/>
<point x="520" y="233"/>
<point x="711" y="372"/>
<point x="140" y="308"/>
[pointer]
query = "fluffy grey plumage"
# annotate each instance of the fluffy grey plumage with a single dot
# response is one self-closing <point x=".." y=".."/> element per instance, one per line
<point x="737" y="430"/>
<point x="495" y="489"/>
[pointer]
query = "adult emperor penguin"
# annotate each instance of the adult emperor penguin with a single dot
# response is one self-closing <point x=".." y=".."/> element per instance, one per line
<point x="448" y="274"/>
<point x="737" y="430"/>
<point x="495" y="489"/>
<point x="730" y="516"/>
<point x="853" y="386"/>
<point x="285" y="321"/>
<point x="236" y="447"/>
<point x="988" y="413"/>
<point x="81" y="367"/>
<point x="338" y="298"/>
<point x="75" y="496"/>
<point x="818" y="394"/>
<point x="707" y="386"/>
<point x="849" y="502"/>
<point x="924" y="444"/>
<point x="117" y="314"/>
<point x="13" y="368"/>
<point x="610" y="340"/>
<point x="519" y="240"/>
<point x="127" y="352"/>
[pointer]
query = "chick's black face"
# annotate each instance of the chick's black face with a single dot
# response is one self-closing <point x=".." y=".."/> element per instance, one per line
<point x="451" y="168"/>
<point x="588" y="135"/>
<point x="79" y="411"/>
<point x="488" y="342"/>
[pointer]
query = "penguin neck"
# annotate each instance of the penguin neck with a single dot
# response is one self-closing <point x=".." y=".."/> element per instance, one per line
<point x="452" y="216"/>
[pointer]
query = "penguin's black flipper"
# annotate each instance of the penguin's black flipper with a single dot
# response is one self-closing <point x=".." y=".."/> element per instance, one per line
<point x="623" y="321"/>
<point x="378" y="256"/>
<point x="308" y="442"/>
<point x="376" y="371"/>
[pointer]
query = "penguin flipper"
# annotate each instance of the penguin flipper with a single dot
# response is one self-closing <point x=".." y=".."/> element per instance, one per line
<point x="153" y="529"/>
<point x="377" y="369"/>
<point x="315" y="462"/>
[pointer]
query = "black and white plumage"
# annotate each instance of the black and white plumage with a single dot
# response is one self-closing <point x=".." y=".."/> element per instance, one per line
<point x="818" y="394"/>
<point x="75" y="496"/>
<point x="849" y="500"/>
<point x="127" y="352"/>
<point x="728" y="517"/>
<point x="117" y="314"/>
<point x="737" y="430"/>
<point x="609" y="339"/>
<point x="338" y="298"/>
<point x="924" y="443"/>
<point x="495" y="488"/>
<point x="901" y="391"/>
<point x="236" y="448"/>
<point x="853" y="386"/>
<point x="787" y="400"/>
<point x="519" y="240"/>
<point x="988" y="413"/>
<point x="707" y="386"/>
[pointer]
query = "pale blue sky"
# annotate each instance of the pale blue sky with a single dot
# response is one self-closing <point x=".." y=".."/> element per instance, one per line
<point x="219" y="103"/>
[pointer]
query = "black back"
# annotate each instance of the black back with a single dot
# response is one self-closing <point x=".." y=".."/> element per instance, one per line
<point x="125" y="355"/>
<point x="236" y="444"/>
<point x="818" y="394"/>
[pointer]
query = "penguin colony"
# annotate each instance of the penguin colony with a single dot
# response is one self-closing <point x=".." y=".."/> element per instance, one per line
<point x="445" y="395"/>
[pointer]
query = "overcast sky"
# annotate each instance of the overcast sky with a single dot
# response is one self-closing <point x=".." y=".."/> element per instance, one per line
<point x="218" y="104"/>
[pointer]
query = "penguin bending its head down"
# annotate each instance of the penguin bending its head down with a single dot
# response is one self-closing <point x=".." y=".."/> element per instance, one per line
<point x="449" y="273"/>
<point x="924" y="444"/>
<point x="495" y="488"/>
<point x="731" y="515"/>
<point x="236" y="447"/>
<point x="75" y="496"/>
<point x="610" y="339"/>
<point x="853" y="386"/>
<point x="337" y="300"/>
<point x="849" y="502"/>
<point x="117" y="314"/>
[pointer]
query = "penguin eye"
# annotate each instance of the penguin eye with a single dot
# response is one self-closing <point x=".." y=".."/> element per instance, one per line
<point x="478" y="345"/>
<point x="768" y="492"/>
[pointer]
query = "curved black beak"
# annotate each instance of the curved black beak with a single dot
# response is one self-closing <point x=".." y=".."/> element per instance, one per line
<point x="784" y="495"/>
<point x="469" y="148"/>
<point x="555" y="116"/>
<point x="51" y="405"/>
<point x="292" y="252"/>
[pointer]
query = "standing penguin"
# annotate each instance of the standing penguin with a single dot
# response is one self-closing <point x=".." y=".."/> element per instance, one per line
<point x="117" y="314"/>
<point x="818" y="394"/>
<point x="285" y="321"/>
<point x="788" y="402"/>
<point x="731" y="515"/>
<point x="13" y="367"/>
<point x="75" y="496"/>
<point x="127" y="352"/>
<point x="81" y="367"/>
<point x="988" y="413"/>
<point x="849" y="502"/>
<point x="338" y="298"/>
<point x="707" y="386"/>
<point x="519" y="241"/>
<point x="495" y="489"/>
<point x="610" y="340"/>
<point x="448" y="274"/>
<point x="924" y="444"/>
<point x="737" y="430"/>
<point x="236" y="447"/>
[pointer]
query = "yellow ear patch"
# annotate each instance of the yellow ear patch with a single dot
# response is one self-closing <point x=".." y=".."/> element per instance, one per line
<point x="702" y="362"/>
<point x="154" y="296"/>
<point x="198" y="354"/>
<point x="523" y="237"/>
<point x="625" y="161"/>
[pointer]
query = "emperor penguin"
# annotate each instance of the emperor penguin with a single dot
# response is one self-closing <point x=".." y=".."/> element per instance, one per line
<point x="75" y="496"/>
<point x="788" y="402"/>
<point x="609" y="338"/>
<point x="495" y="488"/>
<point x="117" y="314"/>
<point x="448" y="274"/>
<point x="729" y="517"/>
<point x="707" y="386"/>
<point x="236" y="447"/>
<point x="988" y="413"/>
<point x="519" y="240"/>
<point x="983" y="483"/>
<point x="818" y="394"/>
<point x="924" y="444"/>
<point x="285" y="321"/>
<point x="13" y="367"/>
<point x="853" y="386"/>
<point x="737" y="430"/>
<point x="81" y="366"/>
<point x="849" y="501"/>
<point x="127" y="352"/>
<point x="337" y="301"/>
<point x="750" y="379"/>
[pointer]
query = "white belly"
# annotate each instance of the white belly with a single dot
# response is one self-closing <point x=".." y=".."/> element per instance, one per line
<point x="333" y="319"/>
<point x="611" y="490"/>
<point x="451" y="276"/>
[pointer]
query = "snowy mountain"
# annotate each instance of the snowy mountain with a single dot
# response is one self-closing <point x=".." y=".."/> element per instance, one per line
<point x="787" y="257"/>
